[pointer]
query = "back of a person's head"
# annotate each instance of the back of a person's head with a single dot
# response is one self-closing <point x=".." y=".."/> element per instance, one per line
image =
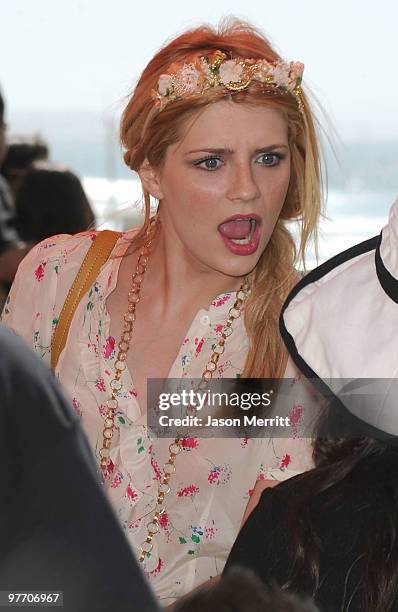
<point x="21" y="153"/>
<point x="345" y="450"/>
<point x="24" y="151"/>
<point x="241" y="591"/>
<point x="50" y="201"/>
<point x="356" y="477"/>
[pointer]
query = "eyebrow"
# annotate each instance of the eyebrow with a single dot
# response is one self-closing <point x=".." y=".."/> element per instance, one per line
<point x="225" y="151"/>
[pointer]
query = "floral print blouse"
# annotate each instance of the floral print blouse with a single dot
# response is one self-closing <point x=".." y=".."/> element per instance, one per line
<point x="214" y="477"/>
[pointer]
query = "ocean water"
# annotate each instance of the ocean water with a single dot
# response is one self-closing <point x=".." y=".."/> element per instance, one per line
<point x="351" y="215"/>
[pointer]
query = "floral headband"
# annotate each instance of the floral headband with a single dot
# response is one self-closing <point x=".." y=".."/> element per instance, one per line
<point x="215" y="70"/>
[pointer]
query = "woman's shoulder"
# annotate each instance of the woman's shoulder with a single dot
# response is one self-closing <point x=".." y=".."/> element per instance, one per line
<point x="61" y="246"/>
<point x="49" y="269"/>
<point x="64" y="252"/>
<point x="44" y="274"/>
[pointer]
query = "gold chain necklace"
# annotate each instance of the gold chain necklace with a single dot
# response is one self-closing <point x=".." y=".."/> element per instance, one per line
<point x="116" y="385"/>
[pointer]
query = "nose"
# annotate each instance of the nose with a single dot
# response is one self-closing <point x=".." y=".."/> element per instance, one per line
<point x="243" y="186"/>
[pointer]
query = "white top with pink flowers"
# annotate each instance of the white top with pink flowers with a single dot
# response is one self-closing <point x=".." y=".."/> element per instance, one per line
<point x="214" y="477"/>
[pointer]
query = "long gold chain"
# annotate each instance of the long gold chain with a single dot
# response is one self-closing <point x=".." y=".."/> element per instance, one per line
<point x="123" y="346"/>
<point x="120" y="365"/>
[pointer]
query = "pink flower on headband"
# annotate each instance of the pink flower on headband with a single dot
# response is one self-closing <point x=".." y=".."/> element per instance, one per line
<point x="297" y="68"/>
<point x="230" y="72"/>
<point x="186" y="80"/>
<point x="165" y="84"/>
<point x="281" y="75"/>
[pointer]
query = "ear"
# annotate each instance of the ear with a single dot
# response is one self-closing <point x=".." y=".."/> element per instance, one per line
<point x="150" y="180"/>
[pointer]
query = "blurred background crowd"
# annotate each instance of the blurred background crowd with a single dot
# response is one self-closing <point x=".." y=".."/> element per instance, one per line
<point x="38" y="199"/>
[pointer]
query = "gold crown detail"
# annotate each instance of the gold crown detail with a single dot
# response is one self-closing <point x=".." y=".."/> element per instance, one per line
<point x="216" y="70"/>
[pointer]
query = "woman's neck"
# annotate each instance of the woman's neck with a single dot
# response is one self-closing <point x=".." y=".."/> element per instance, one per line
<point x="176" y="280"/>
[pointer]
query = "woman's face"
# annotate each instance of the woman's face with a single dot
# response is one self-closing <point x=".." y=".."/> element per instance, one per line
<point x="223" y="185"/>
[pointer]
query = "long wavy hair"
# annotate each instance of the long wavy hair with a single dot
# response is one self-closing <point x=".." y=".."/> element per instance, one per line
<point x="345" y="467"/>
<point x="146" y="134"/>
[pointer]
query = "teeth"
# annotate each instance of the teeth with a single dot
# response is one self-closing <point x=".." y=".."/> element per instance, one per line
<point x="249" y="237"/>
<point x="241" y="240"/>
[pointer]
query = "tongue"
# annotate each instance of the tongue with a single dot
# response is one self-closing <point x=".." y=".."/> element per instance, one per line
<point x="239" y="228"/>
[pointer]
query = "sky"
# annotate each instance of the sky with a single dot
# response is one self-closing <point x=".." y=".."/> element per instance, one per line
<point x="85" y="55"/>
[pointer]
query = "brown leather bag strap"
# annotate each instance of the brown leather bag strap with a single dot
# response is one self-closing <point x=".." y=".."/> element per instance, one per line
<point x="96" y="256"/>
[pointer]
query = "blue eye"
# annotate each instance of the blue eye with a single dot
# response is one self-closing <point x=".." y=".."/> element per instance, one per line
<point x="209" y="163"/>
<point x="270" y="159"/>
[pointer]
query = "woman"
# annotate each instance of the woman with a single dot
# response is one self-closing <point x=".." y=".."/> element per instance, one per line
<point x="334" y="529"/>
<point x="227" y="145"/>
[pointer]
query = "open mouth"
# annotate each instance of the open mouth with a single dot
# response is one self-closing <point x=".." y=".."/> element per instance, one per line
<point x="241" y="234"/>
<point x="239" y="230"/>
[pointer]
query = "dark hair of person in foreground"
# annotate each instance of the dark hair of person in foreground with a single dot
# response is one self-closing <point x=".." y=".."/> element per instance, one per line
<point x="50" y="201"/>
<point x="242" y="591"/>
<point x="331" y="533"/>
<point x="344" y="467"/>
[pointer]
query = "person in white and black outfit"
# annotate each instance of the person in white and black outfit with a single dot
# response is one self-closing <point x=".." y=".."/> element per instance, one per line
<point x="333" y="532"/>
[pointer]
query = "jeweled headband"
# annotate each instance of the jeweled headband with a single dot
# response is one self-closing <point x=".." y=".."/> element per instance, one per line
<point x="216" y="70"/>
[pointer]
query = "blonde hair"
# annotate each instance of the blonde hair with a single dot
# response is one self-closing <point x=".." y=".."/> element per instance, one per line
<point x="146" y="134"/>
